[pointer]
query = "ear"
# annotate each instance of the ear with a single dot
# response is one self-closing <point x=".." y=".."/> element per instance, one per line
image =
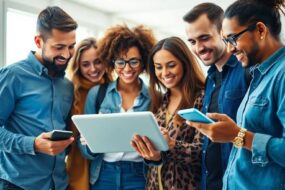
<point x="262" y="30"/>
<point x="38" y="41"/>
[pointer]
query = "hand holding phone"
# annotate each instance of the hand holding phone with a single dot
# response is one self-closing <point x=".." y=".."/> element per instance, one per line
<point x="57" y="135"/>
<point x="192" y="114"/>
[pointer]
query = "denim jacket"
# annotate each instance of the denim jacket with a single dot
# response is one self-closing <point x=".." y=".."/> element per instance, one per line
<point x="233" y="89"/>
<point x="262" y="112"/>
<point x="111" y="104"/>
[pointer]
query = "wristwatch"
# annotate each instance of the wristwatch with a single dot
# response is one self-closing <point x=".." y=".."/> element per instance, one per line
<point x="239" y="139"/>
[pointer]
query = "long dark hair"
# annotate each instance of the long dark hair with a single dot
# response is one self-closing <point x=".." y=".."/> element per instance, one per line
<point x="192" y="81"/>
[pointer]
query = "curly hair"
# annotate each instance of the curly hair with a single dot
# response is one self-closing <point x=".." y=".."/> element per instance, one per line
<point x="120" y="38"/>
<point x="251" y="11"/>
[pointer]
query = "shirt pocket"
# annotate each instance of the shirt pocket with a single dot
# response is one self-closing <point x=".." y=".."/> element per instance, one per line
<point x="232" y="100"/>
<point x="256" y="108"/>
<point x="234" y="94"/>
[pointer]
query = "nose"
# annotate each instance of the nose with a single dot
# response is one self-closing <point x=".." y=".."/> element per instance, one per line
<point x="66" y="53"/>
<point x="231" y="48"/>
<point x="199" y="46"/>
<point x="127" y="67"/>
<point x="165" y="71"/>
<point x="92" y="68"/>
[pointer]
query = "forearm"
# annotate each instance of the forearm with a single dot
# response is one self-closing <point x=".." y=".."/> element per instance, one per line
<point x="16" y="143"/>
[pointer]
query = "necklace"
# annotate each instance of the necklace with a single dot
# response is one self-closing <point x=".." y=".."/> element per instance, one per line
<point x="168" y="116"/>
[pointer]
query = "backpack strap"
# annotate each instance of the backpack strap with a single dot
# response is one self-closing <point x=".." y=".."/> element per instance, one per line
<point x="101" y="95"/>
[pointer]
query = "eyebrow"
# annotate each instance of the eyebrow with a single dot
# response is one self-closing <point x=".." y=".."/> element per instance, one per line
<point x="172" y="61"/>
<point x="199" y="37"/>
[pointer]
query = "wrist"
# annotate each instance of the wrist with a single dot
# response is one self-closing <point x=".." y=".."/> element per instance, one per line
<point x="239" y="140"/>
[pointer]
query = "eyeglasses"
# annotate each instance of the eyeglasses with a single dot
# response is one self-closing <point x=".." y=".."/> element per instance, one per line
<point x="233" y="38"/>
<point x="121" y="63"/>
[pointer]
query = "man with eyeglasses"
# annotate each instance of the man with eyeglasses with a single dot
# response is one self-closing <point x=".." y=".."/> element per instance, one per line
<point x="226" y="83"/>
<point x="252" y="30"/>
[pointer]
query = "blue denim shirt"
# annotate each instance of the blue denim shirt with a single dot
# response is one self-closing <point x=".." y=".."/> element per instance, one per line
<point x="31" y="103"/>
<point x="111" y="104"/>
<point x="262" y="112"/>
<point x="232" y="91"/>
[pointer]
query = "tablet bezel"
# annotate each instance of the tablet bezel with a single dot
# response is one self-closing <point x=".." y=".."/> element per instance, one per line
<point x="107" y="133"/>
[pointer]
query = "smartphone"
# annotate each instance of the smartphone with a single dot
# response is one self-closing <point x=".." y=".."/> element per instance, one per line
<point x="57" y="135"/>
<point x="195" y="115"/>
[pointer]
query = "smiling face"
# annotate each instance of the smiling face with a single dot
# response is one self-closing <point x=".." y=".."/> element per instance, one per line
<point x="168" y="69"/>
<point x="91" y="67"/>
<point x="246" y="49"/>
<point x="128" y="74"/>
<point x="56" y="50"/>
<point x="205" y="40"/>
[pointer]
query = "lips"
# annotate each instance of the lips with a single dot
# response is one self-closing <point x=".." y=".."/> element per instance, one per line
<point x="94" y="75"/>
<point x="205" y="54"/>
<point x="239" y="55"/>
<point x="61" y="61"/>
<point x="169" y="79"/>
<point x="128" y="75"/>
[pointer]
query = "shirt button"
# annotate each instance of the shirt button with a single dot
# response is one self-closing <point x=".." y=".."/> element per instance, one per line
<point x="204" y="151"/>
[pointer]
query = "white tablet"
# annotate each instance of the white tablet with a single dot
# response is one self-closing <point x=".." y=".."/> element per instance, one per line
<point x="113" y="132"/>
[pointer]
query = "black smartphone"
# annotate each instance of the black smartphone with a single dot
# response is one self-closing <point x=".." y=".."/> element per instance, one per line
<point x="57" y="135"/>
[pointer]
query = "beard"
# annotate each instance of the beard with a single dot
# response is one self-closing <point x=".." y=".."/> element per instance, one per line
<point x="58" y="70"/>
<point x="253" y="55"/>
<point x="55" y="69"/>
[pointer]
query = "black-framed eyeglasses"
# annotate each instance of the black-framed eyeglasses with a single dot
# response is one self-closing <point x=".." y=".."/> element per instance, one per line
<point x="233" y="38"/>
<point x="121" y="63"/>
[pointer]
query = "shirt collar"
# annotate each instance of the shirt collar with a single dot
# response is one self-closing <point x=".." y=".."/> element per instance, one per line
<point x="232" y="62"/>
<point x="266" y="65"/>
<point x="143" y="91"/>
<point x="36" y="64"/>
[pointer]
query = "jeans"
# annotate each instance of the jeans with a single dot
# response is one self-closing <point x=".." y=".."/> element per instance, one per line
<point x="122" y="175"/>
<point x="6" y="185"/>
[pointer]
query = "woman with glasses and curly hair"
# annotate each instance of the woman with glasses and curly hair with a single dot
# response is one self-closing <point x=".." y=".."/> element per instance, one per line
<point x="173" y="69"/>
<point x="251" y="29"/>
<point x="85" y="70"/>
<point x="123" y="51"/>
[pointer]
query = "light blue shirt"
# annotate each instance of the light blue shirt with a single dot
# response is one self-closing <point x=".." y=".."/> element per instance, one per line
<point x="31" y="103"/>
<point x="112" y="103"/>
<point x="262" y="112"/>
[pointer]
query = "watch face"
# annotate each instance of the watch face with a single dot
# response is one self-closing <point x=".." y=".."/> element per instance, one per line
<point x="238" y="142"/>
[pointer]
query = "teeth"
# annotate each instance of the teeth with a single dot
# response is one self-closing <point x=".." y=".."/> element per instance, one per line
<point x="128" y="74"/>
<point x="168" y="79"/>
<point x="94" y="74"/>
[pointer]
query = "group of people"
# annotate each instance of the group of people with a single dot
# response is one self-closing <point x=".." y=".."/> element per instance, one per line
<point x="243" y="92"/>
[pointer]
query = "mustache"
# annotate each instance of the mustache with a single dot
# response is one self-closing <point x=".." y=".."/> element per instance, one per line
<point x="204" y="50"/>
<point x="61" y="57"/>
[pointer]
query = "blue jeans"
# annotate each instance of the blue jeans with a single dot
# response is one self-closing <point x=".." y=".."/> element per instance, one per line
<point x="6" y="185"/>
<point x="120" y="175"/>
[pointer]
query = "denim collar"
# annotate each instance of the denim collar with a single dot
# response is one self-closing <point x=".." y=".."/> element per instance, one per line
<point x="36" y="64"/>
<point x="266" y="65"/>
<point x="232" y="62"/>
<point x="143" y="91"/>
